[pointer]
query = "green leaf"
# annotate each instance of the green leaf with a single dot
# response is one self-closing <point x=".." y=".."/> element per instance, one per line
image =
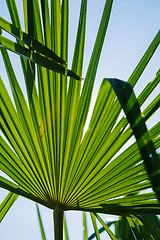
<point x="40" y="223"/>
<point x="13" y="12"/>
<point x="10" y="186"/>
<point x="130" y="105"/>
<point x="23" y="111"/>
<point x="95" y="226"/>
<point x="144" y="61"/>
<point x="112" y="236"/>
<point x="102" y="229"/>
<point x="134" y="228"/>
<point x="144" y="227"/>
<point x="64" y="82"/>
<point x="17" y="137"/>
<point x="47" y="156"/>
<point x="84" y="101"/>
<point x="34" y="57"/>
<point x="148" y="89"/>
<point x="73" y="99"/>
<point x="65" y="228"/>
<point x="29" y="41"/>
<point x="7" y="204"/>
<point x="148" y="222"/>
<point x="85" y="234"/>
<point x="122" y="229"/>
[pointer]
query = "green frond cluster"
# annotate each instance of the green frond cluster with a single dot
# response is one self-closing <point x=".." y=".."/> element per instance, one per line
<point x="44" y="151"/>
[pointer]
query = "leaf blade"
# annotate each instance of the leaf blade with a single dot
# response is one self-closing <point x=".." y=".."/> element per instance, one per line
<point x="7" y="204"/>
<point x="129" y="103"/>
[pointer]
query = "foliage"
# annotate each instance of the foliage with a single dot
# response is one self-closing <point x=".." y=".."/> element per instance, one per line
<point x="43" y="149"/>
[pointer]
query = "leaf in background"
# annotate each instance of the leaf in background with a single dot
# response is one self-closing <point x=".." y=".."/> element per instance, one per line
<point x="144" y="60"/>
<point x="65" y="228"/>
<point x="144" y="227"/>
<point x="112" y="236"/>
<point x="151" y="224"/>
<point x="40" y="223"/>
<point x="95" y="226"/>
<point x="85" y="234"/>
<point x="7" y="204"/>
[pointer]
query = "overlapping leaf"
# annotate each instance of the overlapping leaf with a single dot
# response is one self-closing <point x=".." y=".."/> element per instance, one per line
<point x="129" y="103"/>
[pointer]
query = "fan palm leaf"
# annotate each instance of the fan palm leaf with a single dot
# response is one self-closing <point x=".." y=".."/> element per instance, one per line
<point x="44" y="148"/>
<point x="132" y="227"/>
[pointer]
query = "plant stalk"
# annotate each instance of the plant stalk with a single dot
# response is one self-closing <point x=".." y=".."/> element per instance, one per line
<point x="58" y="224"/>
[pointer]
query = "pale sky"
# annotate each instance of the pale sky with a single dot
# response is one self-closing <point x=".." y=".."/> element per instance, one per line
<point x="132" y="26"/>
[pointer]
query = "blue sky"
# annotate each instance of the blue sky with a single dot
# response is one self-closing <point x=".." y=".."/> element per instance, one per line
<point x="133" y="25"/>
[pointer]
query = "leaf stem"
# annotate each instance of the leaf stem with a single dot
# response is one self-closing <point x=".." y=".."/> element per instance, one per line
<point x="58" y="224"/>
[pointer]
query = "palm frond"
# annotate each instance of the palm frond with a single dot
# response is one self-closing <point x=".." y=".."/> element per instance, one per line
<point x="45" y="150"/>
